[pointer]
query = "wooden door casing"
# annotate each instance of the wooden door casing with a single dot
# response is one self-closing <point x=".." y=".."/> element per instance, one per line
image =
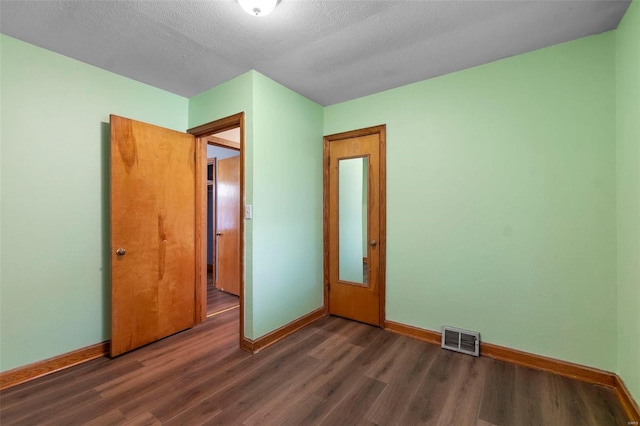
<point x="211" y="230"/>
<point x="203" y="133"/>
<point x="153" y="213"/>
<point x="228" y="225"/>
<point x="365" y="303"/>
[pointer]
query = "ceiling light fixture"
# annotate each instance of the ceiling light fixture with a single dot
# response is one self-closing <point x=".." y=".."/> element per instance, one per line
<point x="258" y="7"/>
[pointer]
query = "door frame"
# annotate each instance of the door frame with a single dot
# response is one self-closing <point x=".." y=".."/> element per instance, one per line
<point x="213" y="163"/>
<point x="203" y="133"/>
<point x="381" y="131"/>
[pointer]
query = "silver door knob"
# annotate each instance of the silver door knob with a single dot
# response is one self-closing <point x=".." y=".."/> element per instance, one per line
<point x="121" y="252"/>
<point x="373" y="243"/>
<point x="218" y="234"/>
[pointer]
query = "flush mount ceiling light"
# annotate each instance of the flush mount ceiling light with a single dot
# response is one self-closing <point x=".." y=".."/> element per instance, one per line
<point x="258" y="7"/>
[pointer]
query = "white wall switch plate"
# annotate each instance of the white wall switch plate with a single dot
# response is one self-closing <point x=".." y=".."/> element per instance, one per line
<point x="248" y="211"/>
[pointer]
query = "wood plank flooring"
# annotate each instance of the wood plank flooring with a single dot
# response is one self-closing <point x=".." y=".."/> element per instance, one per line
<point x="218" y="300"/>
<point x="333" y="372"/>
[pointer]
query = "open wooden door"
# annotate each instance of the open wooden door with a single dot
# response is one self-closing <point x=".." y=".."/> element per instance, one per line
<point x="228" y="225"/>
<point x="153" y="213"/>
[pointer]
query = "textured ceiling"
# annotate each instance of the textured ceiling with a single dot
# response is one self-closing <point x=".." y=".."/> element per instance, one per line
<point x="327" y="50"/>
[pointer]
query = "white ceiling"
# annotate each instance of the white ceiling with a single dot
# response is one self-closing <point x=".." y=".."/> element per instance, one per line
<point x="221" y="153"/>
<point x="327" y="50"/>
<point x="232" y="135"/>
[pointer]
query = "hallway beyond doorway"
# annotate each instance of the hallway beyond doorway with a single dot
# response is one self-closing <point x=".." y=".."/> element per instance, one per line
<point x="217" y="300"/>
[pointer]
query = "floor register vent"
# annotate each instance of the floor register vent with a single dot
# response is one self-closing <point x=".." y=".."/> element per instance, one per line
<point x="465" y="341"/>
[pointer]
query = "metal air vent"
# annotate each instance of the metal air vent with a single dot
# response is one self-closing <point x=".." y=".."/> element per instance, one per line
<point x="465" y="341"/>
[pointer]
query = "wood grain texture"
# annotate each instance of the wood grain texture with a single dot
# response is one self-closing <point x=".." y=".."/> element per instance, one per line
<point x="239" y="119"/>
<point x="415" y="332"/>
<point x="228" y="220"/>
<point x="153" y="217"/>
<point x="282" y="332"/>
<point x="218" y="300"/>
<point x="382" y="235"/>
<point x="218" y="126"/>
<point x="214" y="140"/>
<point x="630" y="406"/>
<point x="363" y="303"/>
<point x="498" y="395"/>
<point x="356" y="133"/>
<point x="539" y="362"/>
<point x="211" y="268"/>
<point x="325" y="222"/>
<point x="208" y="129"/>
<point x="513" y="356"/>
<point x="333" y="372"/>
<point x="34" y="370"/>
<point x="200" y="231"/>
<point x="402" y="367"/>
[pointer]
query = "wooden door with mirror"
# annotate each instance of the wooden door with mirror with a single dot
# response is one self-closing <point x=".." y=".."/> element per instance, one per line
<point x="354" y="216"/>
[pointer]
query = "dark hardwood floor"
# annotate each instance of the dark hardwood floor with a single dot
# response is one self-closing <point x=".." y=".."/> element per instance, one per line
<point x="333" y="372"/>
<point x="217" y="300"/>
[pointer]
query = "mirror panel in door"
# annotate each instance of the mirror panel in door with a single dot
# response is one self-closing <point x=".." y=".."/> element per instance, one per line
<point x="352" y="214"/>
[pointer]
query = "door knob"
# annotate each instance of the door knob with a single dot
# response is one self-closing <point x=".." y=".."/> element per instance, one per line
<point x="373" y="243"/>
<point x="218" y="234"/>
<point x="121" y="252"/>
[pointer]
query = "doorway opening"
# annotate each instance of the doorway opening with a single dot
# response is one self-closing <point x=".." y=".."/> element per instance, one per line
<point x="223" y="211"/>
<point x="220" y="255"/>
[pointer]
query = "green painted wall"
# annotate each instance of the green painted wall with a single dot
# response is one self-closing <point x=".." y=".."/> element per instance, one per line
<point x="287" y="206"/>
<point x="224" y="100"/>
<point x="283" y="182"/>
<point x="501" y="199"/>
<point x="54" y="283"/>
<point x="628" y="174"/>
